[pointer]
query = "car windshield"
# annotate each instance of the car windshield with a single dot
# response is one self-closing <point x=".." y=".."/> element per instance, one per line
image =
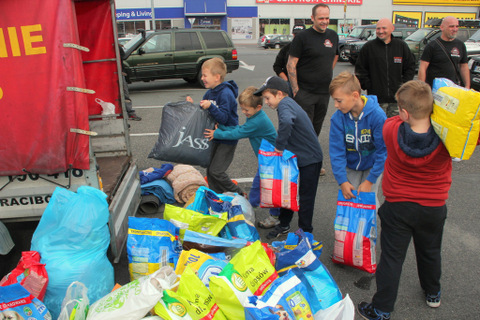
<point x="419" y="35"/>
<point x="475" y="37"/>
<point x="132" y="42"/>
<point x="355" y="33"/>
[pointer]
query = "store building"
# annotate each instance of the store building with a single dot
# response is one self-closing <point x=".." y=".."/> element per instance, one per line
<point x="248" y="19"/>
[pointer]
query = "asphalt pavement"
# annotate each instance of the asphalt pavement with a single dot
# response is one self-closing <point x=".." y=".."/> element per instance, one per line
<point x="461" y="242"/>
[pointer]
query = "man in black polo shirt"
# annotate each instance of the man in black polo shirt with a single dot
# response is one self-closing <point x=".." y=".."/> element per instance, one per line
<point x="312" y="57"/>
<point x="445" y="57"/>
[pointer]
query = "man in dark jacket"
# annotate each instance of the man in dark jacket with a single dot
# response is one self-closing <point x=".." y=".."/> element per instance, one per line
<point x="383" y="65"/>
<point x="280" y="64"/>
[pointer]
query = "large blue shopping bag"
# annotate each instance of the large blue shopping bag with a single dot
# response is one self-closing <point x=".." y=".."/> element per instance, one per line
<point x="356" y="231"/>
<point x="278" y="178"/>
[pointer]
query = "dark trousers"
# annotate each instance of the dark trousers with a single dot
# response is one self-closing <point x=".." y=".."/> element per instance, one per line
<point x="315" y="105"/>
<point x="307" y="190"/>
<point x="218" y="179"/>
<point x="400" y="222"/>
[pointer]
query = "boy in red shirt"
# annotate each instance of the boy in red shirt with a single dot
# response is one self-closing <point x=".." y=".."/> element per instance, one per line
<point x="416" y="181"/>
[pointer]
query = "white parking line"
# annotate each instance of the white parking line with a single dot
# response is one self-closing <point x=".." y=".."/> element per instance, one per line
<point x="147" y="107"/>
<point x="143" y="134"/>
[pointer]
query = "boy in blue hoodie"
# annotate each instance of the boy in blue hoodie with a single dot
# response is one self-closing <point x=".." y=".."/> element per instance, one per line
<point x="357" y="149"/>
<point x="257" y="127"/>
<point x="296" y="134"/>
<point x="220" y="101"/>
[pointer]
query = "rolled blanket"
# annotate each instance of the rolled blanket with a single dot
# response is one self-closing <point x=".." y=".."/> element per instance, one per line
<point x="149" y="204"/>
<point x="185" y="181"/>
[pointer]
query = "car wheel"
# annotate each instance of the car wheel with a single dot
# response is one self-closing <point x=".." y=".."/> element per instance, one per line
<point x="190" y="80"/>
<point x="199" y="78"/>
<point x="342" y="55"/>
<point x="265" y="47"/>
<point x="277" y="46"/>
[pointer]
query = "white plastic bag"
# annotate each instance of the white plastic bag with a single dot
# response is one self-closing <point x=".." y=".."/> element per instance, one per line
<point x="133" y="300"/>
<point x="75" y="304"/>
<point x="107" y="107"/>
<point x="342" y="310"/>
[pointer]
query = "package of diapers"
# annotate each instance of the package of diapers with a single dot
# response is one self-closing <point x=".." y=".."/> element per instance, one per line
<point x="455" y="117"/>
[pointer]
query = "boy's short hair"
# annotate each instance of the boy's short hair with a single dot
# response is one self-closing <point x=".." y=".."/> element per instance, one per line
<point x="416" y="97"/>
<point x="216" y="66"/>
<point x="248" y="99"/>
<point x="346" y="81"/>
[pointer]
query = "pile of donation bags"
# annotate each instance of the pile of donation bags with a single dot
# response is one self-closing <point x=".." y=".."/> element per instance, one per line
<point x="182" y="268"/>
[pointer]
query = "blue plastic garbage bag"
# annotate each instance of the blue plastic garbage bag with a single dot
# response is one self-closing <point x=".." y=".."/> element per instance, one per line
<point x="72" y="238"/>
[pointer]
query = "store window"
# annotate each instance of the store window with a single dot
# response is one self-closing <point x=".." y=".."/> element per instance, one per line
<point x="207" y="23"/>
<point x="275" y="26"/>
<point x="129" y="28"/>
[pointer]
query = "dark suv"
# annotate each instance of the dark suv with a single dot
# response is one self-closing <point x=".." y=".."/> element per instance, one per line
<point x="176" y="53"/>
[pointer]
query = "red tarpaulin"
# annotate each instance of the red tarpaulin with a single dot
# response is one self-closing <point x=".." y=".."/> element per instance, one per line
<point x="38" y="111"/>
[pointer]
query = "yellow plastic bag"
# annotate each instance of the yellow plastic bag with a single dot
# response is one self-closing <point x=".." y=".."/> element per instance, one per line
<point x="231" y="292"/>
<point x="455" y="117"/>
<point x="254" y="266"/>
<point x="192" y="298"/>
<point x="195" y="221"/>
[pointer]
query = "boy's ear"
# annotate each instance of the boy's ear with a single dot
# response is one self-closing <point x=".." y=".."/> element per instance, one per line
<point x="356" y="94"/>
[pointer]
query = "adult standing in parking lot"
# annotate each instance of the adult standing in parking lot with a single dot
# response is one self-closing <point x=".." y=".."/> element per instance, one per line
<point x="313" y="55"/>
<point x="383" y="65"/>
<point x="280" y="64"/>
<point x="445" y="57"/>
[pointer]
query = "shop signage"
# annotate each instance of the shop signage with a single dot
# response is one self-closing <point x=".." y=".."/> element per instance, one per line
<point x="342" y="2"/>
<point x="465" y="3"/>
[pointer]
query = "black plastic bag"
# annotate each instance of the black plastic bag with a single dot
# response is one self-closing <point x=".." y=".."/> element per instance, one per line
<point x="181" y="137"/>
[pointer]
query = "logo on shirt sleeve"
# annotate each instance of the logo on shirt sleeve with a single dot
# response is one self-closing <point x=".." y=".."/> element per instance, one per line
<point x="397" y="59"/>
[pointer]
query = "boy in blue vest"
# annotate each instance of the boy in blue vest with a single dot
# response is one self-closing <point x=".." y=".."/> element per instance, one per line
<point x="257" y="127"/>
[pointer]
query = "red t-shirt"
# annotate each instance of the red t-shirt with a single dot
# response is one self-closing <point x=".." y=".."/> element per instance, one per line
<point x="425" y="180"/>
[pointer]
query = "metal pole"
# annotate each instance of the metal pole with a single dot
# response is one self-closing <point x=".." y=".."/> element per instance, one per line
<point x="153" y="15"/>
<point x="345" y="17"/>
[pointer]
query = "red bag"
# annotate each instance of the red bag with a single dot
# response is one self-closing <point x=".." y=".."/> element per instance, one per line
<point x="30" y="273"/>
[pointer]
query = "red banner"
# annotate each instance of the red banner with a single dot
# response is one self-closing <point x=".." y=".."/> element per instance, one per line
<point x="341" y="2"/>
<point x="39" y="108"/>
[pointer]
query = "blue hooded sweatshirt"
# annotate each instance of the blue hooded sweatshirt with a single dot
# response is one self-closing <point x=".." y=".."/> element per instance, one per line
<point x="224" y="106"/>
<point x="358" y="144"/>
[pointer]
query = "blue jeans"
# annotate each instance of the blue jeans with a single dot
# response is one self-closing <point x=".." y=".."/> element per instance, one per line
<point x="254" y="195"/>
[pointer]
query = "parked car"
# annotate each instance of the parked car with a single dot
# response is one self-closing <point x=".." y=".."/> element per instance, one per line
<point x="264" y="38"/>
<point x="122" y="41"/>
<point x="473" y="45"/>
<point x="352" y="49"/>
<point x="278" y="41"/>
<point x="358" y="33"/>
<point x="419" y="39"/>
<point x="474" y="66"/>
<point x="176" y="53"/>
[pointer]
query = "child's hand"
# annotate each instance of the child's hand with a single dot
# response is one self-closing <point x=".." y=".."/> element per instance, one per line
<point x="279" y="151"/>
<point x="205" y="104"/>
<point x="365" y="186"/>
<point x="208" y="133"/>
<point x="347" y="188"/>
<point x="189" y="99"/>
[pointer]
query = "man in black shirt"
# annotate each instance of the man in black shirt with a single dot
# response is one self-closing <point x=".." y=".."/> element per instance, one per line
<point x="280" y="64"/>
<point x="445" y="57"/>
<point x="313" y="55"/>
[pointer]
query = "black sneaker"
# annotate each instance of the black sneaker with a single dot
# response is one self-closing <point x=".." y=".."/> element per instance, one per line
<point x="134" y="117"/>
<point x="368" y="311"/>
<point x="278" y="231"/>
<point x="433" y="300"/>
